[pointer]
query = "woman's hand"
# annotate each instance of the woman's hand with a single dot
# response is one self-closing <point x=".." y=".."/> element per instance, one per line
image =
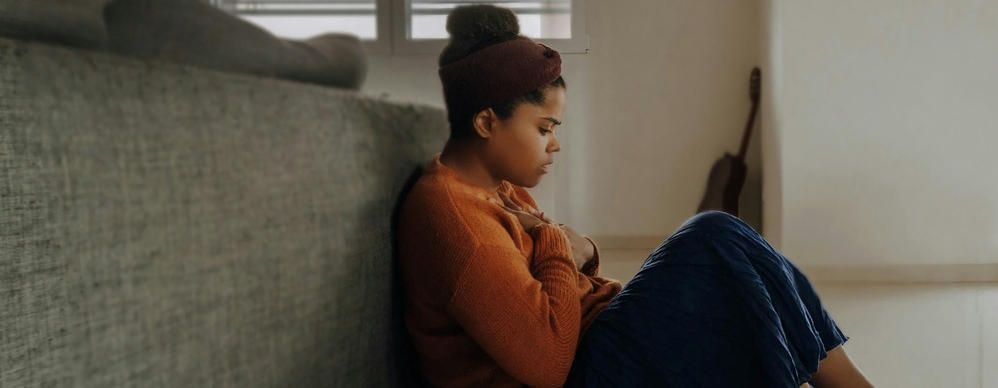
<point x="529" y="221"/>
<point x="582" y="249"/>
<point x="512" y="205"/>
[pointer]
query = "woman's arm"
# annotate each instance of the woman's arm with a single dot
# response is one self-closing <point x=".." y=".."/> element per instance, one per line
<point x="524" y="313"/>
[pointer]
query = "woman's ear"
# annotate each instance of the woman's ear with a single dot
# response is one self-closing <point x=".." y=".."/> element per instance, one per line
<point x="484" y="122"/>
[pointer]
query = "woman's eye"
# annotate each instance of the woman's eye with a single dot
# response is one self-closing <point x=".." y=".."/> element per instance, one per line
<point x="545" y="131"/>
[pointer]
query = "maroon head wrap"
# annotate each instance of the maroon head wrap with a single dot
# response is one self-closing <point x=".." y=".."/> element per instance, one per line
<point x="498" y="73"/>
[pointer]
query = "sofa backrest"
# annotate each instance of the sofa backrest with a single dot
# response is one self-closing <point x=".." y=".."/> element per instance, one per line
<point x="163" y="225"/>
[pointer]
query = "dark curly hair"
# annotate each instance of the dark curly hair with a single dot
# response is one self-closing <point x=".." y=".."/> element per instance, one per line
<point x="472" y="28"/>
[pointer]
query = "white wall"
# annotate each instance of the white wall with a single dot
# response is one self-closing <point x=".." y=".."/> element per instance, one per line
<point x="668" y="94"/>
<point x="661" y="94"/>
<point x="882" y="131"/>
<point x="876" y="128"/>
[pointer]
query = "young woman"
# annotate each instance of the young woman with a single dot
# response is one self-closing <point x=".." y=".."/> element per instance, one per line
<point x="498" y="295"/>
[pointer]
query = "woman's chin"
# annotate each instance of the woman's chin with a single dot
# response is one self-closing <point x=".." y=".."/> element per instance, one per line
<point x="530" y="182"/>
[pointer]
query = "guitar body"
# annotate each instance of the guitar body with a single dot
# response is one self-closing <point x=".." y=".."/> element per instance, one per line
<point x="727" y="176"/>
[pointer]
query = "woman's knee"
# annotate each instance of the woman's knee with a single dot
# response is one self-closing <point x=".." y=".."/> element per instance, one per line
<point x="713" y="220"/>
<point x="713" y="226"/>
<point x="710" y="227"/>
<point x="701" y="228"/>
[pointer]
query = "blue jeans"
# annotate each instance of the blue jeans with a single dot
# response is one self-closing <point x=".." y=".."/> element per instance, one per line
<point x="713" y="306"/>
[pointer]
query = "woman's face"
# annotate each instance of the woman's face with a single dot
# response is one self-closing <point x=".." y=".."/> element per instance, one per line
<point x="521" y="147"/>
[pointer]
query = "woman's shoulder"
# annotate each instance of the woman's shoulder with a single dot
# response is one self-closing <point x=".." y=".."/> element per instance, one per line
<point x="433" y="192"/>
<point x="438" y="204"/>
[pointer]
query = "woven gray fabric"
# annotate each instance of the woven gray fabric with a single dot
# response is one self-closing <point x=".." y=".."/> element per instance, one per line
<point x="196" y="33"/>
<point x="170" y="226"/>
<point x="78" y="23"/>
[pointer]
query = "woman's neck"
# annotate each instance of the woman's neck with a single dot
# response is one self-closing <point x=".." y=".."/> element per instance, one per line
<point x="465" y="161"/>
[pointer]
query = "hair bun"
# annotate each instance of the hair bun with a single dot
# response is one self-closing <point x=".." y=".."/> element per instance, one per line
<point x="482" y="22"/>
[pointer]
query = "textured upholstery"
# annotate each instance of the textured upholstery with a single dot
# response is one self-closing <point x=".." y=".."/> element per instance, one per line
<point x="170" y="226"/>
<point x="76" y="23"/>
<point x="194" y="32"/>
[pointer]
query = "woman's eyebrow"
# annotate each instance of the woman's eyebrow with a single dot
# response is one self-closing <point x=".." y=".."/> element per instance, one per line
<point x="553" y="120"/>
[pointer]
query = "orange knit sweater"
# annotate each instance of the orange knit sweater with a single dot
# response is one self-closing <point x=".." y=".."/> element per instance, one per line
<point x="487" y="303"/>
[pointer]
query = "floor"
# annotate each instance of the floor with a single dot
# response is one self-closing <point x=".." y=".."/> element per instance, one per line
<point x="901" y="334"/>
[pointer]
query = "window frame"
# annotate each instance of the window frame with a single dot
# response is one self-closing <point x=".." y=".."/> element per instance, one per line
<point x="384" y="12"/>
<point x="391" y="18"/>
<point x="402" y="45"/>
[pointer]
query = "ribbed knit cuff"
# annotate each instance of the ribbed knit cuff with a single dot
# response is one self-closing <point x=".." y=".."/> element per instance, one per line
<point x="550" y="240"/>
<point x="552" y="263"/>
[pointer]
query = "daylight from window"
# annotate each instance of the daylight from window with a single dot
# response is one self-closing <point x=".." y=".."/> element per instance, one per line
<point x="426" y="19"/>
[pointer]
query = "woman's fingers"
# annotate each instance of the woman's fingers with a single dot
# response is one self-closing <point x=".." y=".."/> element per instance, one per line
<point x="534" y="212"/>
<point x="527" y="220"/>
<point x="509" y="202"/>
<point x="517" y="212"/>
<point x="523" y="211"/>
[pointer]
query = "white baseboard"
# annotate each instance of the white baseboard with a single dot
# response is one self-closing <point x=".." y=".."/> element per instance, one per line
<point x="630" y="251"/>
<point x="903" y="273"/>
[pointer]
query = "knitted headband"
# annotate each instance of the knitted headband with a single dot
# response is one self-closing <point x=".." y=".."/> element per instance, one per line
<point x="498" y="73"/>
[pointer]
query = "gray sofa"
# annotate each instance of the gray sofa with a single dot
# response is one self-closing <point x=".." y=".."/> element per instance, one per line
<point x="170" y="226"/>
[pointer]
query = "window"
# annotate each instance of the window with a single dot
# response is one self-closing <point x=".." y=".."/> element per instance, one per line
<point x="545" y="19"/>
<point x="306" y="18"/>
<point x="408" y="26"/>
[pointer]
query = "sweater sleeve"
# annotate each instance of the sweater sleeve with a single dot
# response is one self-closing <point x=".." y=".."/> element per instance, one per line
<point x="526" y="317"/>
